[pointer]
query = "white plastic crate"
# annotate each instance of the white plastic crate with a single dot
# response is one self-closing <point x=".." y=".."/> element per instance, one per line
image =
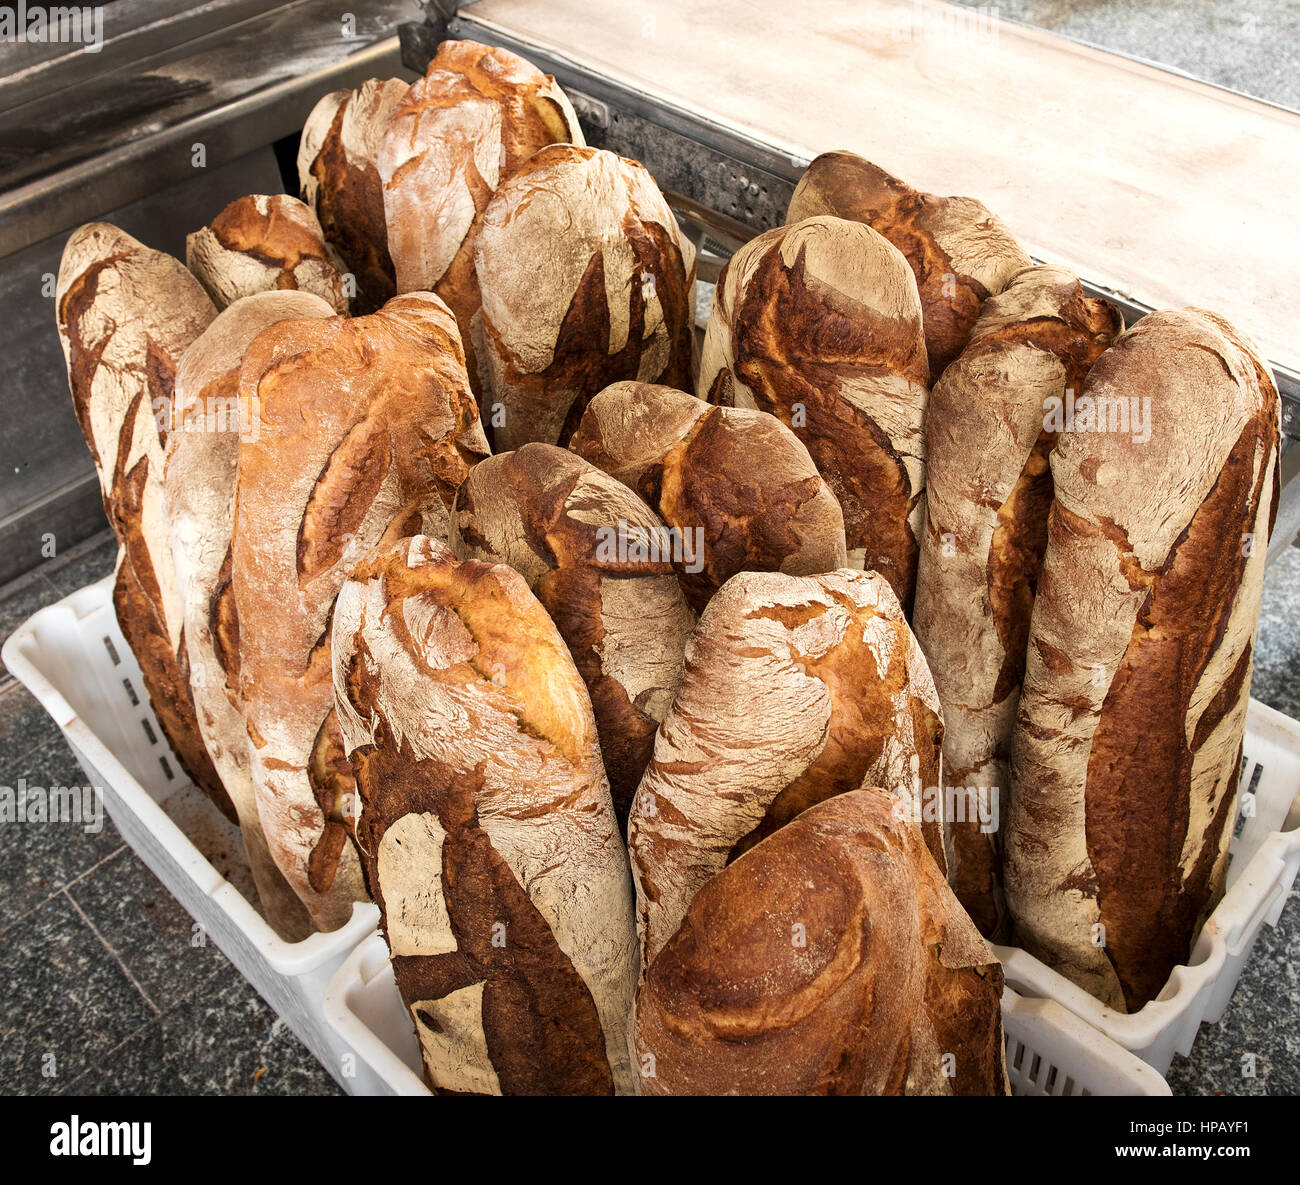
<point x="72" y="658"/>
<point x="1049" y="1051"/>
<point x="1263" y="860"/>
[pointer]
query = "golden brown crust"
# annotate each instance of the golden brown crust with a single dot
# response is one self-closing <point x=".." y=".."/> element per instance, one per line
<point x="125" y="315"/>
<point x="831" y="960"/>
<point x="735" y="483"/>
<point x="365" y="428"/>
<point x="339" y="179"/>
<point x="820" y="325"/>
<point x="558" y="520"/>
<point x="460" y="131"/>
<point x="988" y="491"/>
<point x="264" y="243"/>
<point x="611" y="297"/>
<point x="959" y="251"/>
<point x="486" y="824"/>
<point x="795" y="689"/>
<point x="1127" y="745"/>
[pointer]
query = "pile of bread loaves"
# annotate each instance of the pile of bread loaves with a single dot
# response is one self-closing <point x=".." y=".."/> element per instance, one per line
<point x="606" y="693"/>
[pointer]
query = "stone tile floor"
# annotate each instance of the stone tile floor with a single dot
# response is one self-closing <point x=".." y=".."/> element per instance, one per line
<point x="106" y="993"/>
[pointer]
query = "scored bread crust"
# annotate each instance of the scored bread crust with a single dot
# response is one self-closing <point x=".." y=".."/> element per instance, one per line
<point x="832" y="959"/>
<point x="477" y="115"/>
<point x="796" y="688"/>
<point x="126" y="314"/>
<point x="486" y="825"/>
<point x="264" y="242"/>
<point x="557" y="520"/>
<point x="202" y="460"/>
<point x="735" y="482"/>
<point x="586" y="279"/>
<point x="1128" y="738"/>
<point x="960" y="252"/>
<point x="820" y="325"/>
<point x="988" y="492"/>
<point x="338" y="176"/>
<point x="363" y="428"/>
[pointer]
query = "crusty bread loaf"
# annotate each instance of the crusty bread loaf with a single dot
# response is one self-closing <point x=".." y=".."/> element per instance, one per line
<point x="796" y="688"/>
<point x="820" y="325"/>
<point x="126" y="315"/>
<point x="202" y="459"/>
<point x="592" y="552"/>
<point x="1127" y="744"/>
<point x="959" y="251"/>
<point x="260" y="243"/>
<point x="363" y="428"/>
<point x="988" y="491"/>
<point x="459" y="132"/>
<point x="586" y="279"/>
<point x="339" y="179"/>
<point x="832" y="959"/>
<point x="489" y="838"/>
<point x="735" y="484"/>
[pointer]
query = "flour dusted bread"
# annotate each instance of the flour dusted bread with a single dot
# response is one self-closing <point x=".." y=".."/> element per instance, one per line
<point x="736" y="485"/>
<point x="593" y="553"/>
<point x="959" y="251"/>
<point x="260" y="243"/>
<point x="820" y="324"/>
<point x="989" y="431"/>
<point x="126" y="315"/>
<point x="796" y="689"/>
<point x="489" y="837"/>
<point x="477" y="115"/>
<point x="586" y="279"/>
<point x="338" y="175"/>
<point x="361" y="428"/>
<point x="1127" y="744"/>
<point x="202" y="463"/>
<point x="832" y="959"/>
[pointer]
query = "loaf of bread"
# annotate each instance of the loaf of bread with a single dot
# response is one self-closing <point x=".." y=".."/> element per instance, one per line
<point x="820" y="325"/>
<point x="586" y="279"/>
<point x="832" y="959"/>
<point x="460" y="131"/>
<point x="598" y="559"/>
<point x="261" y="243"/>
<point x="126" y="315"/>
<point x="363" y="428"/>
<point x="989" y="430"/>
<point x="959" y="251"/>
<point x="202" y="460"/>
<point x="736" y="485"/>
<point x="339" y="178"/>
<point x="489" y="838"/>
<point x="1127" y="744"/>
<point x="796" y="688"/>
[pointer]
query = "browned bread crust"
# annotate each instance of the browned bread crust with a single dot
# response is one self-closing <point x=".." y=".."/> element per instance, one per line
<point x="796" y="688"/>
<point x="339" y="179"/>
<point x="820" y="325"/>
<point x="477" y="115"/>
<point x="1127" y="744"/>
<point x="126" y="314"/>
<point x="586" y="279"/>
<point x="959" y="251"/>
<point x="486" y="824"/>
<point x="365" y="428"/>
<point x="735" y="483"/>
<point x="263" y="243"/>
<point x="558" y="521"/>
<point x="832" y="959"/>
<point x="988" y="491"/>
